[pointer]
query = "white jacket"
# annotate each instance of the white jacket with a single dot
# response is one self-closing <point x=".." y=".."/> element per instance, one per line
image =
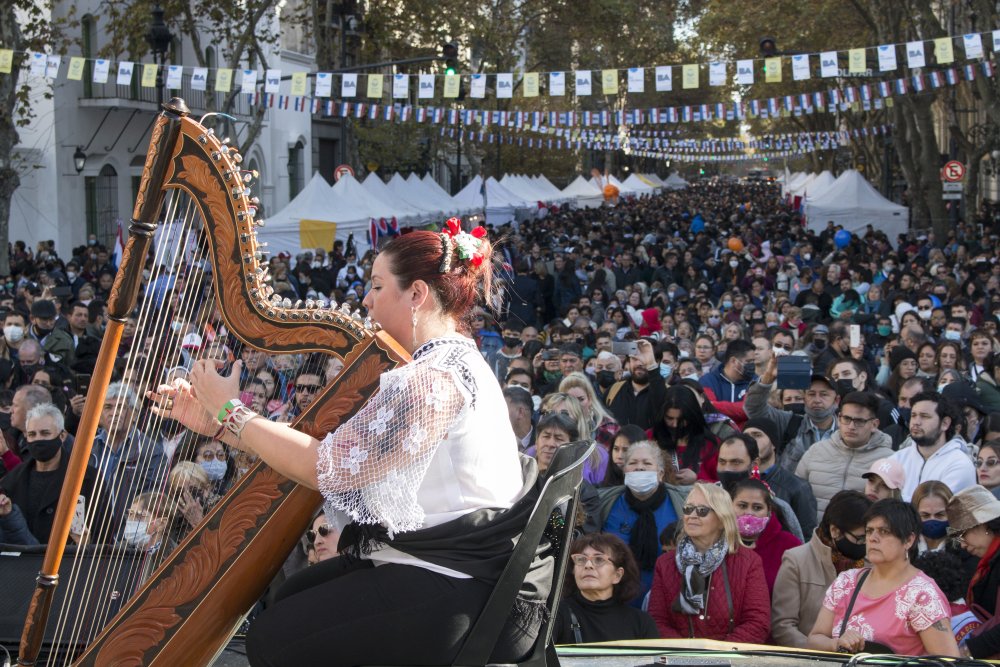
<point x="950" y="465"/>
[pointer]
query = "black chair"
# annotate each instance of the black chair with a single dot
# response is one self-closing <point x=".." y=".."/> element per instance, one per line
<point x="561" y="491"/>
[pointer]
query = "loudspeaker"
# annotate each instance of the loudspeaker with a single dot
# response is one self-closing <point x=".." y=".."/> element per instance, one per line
<point x="90" y="605"/>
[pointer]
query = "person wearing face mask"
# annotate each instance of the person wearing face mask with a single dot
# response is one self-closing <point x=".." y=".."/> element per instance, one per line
<point x="782" y="482"/>
<point x="146" y="525"/>
<point x="966" y="398"/>
<point x="838" y="462"/>
<point x="931" y="499"/>
<point x="512" y="347"/>
<point x="212" y="457"/>
<point x="34" y="486"/>
<point x="192" y="488"/>
<point x="837" y="544"/>
<point x="852" y="375"/>
<point x="761" y="526"/>
<point x="639" y="510"/>
<point x="14" y="329"/>
<point x="818" y="422"/>
<point x="739" y="459"/>
<point x="57" y="343"/>
<point x="730" y="380"/>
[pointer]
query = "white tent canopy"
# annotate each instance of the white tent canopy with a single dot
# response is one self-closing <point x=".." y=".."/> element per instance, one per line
<point x="584" y="193"/>
<point x="818" y="185"/>
<point x="637" y="185"/>
<point x="674" y="182"/>
<point x="414" y="193"/>
<point x="799" y="182"/>
<point x="502" y="205"/>
<point x="315" y="218"/>
<point x="376" y="187"/>
<point x="853" y="203"/>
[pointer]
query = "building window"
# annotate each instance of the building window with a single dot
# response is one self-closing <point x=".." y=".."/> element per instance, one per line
<point x="101" y="194"/>
<point x="296" y="169"/>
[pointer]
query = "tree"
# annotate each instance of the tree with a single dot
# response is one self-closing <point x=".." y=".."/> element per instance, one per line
<point x="24" y="26"/>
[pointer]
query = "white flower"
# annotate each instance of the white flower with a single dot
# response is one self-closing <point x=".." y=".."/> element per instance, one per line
<point x="437" y="395"/>
<point x="379" y="425"/>
<point x="414" y="439"/>
<point x="354" y="459"/>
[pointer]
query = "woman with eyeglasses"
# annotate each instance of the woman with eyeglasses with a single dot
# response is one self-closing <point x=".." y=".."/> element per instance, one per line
<point x="601" y="580"/>
<point x="891" y="607"/>
<point x="711" y="586"/>
<point x="762" y="525"/>
<point x="974" y="523"/>
<point x="988" y="466"/>
<point x="323" y="536"/>
<point x="837" y="545"/>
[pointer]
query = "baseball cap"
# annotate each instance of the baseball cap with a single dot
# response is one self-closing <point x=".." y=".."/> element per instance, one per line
<point x="191" y="341"/>
<point x="891" y="472"/>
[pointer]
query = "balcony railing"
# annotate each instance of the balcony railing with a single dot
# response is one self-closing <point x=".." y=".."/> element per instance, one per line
<point x="197" y="100"/>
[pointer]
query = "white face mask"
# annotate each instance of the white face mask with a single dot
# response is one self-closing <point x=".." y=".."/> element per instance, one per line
<point x="692" y="376"/>
<point x="641" y="481"/>
<point x="13" y="333"/>
<point x="71" y="275"/>
<point x="734" y="263"/>
<point x="136" y="533"/>
<point x="924" y="314"/>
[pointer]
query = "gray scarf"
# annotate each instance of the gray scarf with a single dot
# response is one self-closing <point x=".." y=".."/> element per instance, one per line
<point x="696" y="567"/>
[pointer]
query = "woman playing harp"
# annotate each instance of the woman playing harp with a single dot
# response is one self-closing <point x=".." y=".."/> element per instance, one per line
<point x="420" y="465"/>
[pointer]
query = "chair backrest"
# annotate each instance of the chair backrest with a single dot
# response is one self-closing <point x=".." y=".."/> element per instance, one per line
<point x="562" y="485"/>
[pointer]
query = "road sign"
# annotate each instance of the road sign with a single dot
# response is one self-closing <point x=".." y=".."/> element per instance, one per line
<point x="950" y="186"/>
<point x="341" y="171"/>
<point x="951" y="195"/>
<point x="953" y="171"/>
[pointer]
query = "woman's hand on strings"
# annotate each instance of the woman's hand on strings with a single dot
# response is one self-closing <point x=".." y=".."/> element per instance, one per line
<point x="178" y="401"/>
<point x="212" y="389"/>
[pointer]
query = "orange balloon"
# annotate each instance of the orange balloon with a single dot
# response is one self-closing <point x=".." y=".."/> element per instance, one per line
<point x="735" y="244"/>
<point x="610" y="191"/>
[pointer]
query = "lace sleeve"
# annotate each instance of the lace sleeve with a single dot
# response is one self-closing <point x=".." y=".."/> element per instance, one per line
<point x="372" y="466"/>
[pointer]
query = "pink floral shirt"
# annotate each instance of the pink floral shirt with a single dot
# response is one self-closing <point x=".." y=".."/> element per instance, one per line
<point x="893" y="619"/>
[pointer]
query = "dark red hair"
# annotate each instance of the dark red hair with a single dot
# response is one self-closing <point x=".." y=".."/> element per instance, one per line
<point x="418" y="256"/>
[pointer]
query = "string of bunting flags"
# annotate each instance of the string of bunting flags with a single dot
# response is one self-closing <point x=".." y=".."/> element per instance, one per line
<point x="917" y="55"/>
<point x="650" y="148"/>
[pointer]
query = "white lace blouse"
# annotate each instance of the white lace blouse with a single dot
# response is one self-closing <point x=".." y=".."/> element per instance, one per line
<point x="433" y="444"/>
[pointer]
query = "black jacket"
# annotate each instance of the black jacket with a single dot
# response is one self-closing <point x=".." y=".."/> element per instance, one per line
<point x="797" y="493"/>
<point x="984" y="594"/>
<point x="601" y="621"/>
<point x="641" y="409"/>
<point x="16" y="486"/>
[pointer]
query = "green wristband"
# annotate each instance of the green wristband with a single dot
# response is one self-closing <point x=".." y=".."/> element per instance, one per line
<point x="229" y="407"/>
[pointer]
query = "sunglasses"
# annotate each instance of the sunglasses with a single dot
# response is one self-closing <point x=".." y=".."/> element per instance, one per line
<point x="307" y="388"/>
<point x="989" y="463"/>
<point x="701" y="510"/>
<point x="324" y="531"/>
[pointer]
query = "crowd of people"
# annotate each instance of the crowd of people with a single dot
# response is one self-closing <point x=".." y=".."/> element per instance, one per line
<point x="852" y="507"/>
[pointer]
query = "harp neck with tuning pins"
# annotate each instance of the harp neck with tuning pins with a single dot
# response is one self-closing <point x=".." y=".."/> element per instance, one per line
<point x="190" y="606"/>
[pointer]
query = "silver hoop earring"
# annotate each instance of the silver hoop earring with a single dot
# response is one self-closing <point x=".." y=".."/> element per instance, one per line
<point x="413" y="319"/>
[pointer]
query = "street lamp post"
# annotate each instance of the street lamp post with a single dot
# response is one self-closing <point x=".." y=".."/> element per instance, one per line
<point x="159" y="39"/>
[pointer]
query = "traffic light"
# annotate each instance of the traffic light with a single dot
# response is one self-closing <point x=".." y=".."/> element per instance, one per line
<point x="449" y="52"/>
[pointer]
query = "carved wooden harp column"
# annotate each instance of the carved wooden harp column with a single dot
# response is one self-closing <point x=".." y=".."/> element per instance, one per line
<point x="190" y="607"/>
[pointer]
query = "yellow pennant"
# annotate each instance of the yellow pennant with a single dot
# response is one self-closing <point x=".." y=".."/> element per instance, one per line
<point x="609" y="81"/>
<point x="772" y="70"/>
<point x="76" y="64"/>
<point x="531" y="84"/>
<point x="149" y="75"/>
<point x="856" y="61"/>
<point x="6" y="60"/>
<point x="223" y="79"/>
<point x="375" y="85"/>
<point x="689" y="73"/>
<point x="452" y="85"/>
<point x="944" y="50"/>
<point x="299" y="88"/>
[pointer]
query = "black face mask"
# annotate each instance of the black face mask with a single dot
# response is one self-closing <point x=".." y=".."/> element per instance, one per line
<point x="796" y="408"/>
<point x="29" y="369"/>
<point x="605" y="378"/>
<point x="850" y="549"/>
<point x="819" y="343"/>
<point x="511" y="341"/>
<point x="730" y="479"/>
<point x="43" y="331"/>
<point x="844" y="387"/>
<point x="44" y="450"/>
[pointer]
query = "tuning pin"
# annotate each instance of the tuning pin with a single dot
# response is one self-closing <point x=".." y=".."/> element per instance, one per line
<point x="298" y="304"/>
<point x="310" y="304"/>
<point x="286" y="303"/>
<point x="345" y="308"/>
<point x="275" y="299"/>
<point x="225" y="140"/>
<point x="237" y="158"/>
<point x="356" y="316"/>
<point x="247" y="176"/>
<point x="225" y="150"/>
<point x="332" y="305"/>
<point x="255" y="200"/>
<point x="322" y="304"/>
<point x="368" y="323"/>
<point x="210" y="132"/>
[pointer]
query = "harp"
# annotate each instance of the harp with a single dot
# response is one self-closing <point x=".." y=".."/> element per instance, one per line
<point x="192" y="604"/>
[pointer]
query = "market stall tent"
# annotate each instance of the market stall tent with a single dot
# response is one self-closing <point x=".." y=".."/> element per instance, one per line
<point x="853" y="203"/>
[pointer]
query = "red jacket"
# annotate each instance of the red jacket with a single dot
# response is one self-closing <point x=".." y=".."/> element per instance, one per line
<point x="751" y="601"/>
<point x="771" y="546"/>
